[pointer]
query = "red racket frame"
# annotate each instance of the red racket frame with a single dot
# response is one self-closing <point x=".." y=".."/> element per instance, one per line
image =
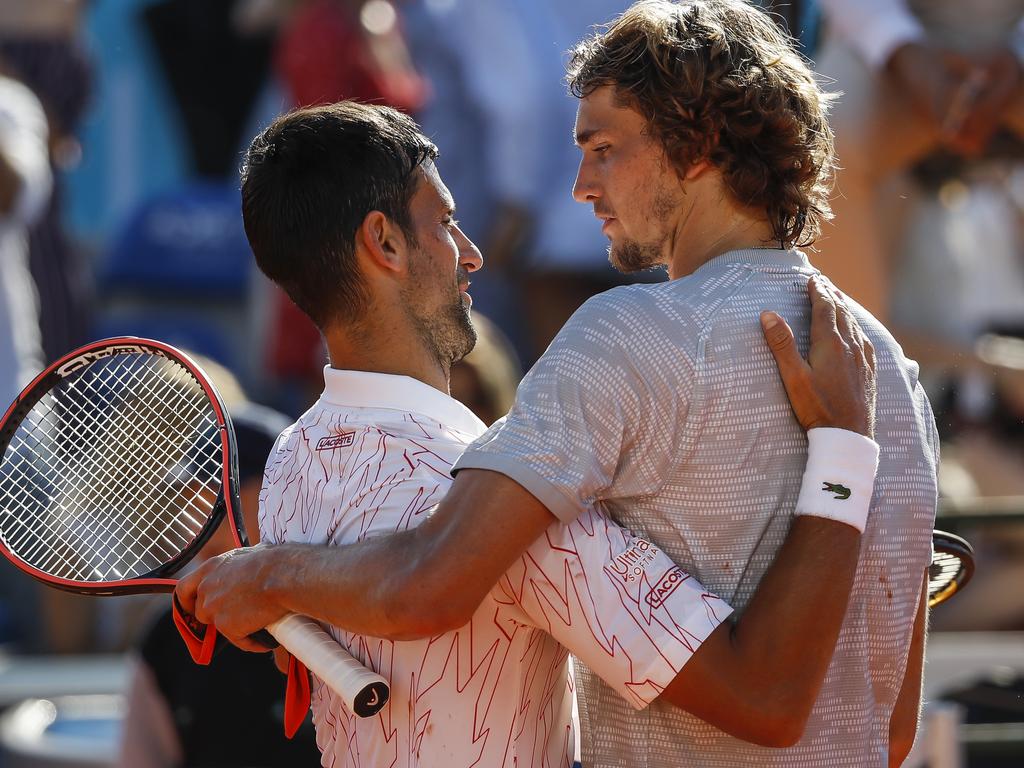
<point x="227" y="503"/>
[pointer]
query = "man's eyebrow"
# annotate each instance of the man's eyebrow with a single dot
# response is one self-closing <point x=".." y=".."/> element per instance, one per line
<point x="582" y="138"/>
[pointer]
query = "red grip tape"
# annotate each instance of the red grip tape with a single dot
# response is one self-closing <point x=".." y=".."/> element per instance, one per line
<point x="200" y="639"/>
<point x="297" y="696"/>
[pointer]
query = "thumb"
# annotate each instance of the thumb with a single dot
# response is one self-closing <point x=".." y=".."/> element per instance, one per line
<point x="792" y="367"/>
<point x="782" y="343"/>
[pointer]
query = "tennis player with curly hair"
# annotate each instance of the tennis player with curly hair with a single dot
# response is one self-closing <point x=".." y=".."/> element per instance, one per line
<point x="705" y="151"/>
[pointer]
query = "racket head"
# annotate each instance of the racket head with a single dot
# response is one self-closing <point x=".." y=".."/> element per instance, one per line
<point x="951" y="568"/>
<point x="117" y="463"/>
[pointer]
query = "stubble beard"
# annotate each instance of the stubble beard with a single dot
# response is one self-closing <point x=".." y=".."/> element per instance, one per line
<point x="631" y="256"/>
<point x="448" y="331"/>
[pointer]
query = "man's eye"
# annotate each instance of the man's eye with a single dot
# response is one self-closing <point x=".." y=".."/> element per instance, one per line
<point x="451" y="222"/>
<point x="602" y="148"/>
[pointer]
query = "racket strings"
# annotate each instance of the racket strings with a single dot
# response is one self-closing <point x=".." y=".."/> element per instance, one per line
<point x="117" y="477"/>
<point x="121" y="477"/>
<point x="88" y="531"/>
<point x="162" y="496"/>
<point x="943" y="572"/>
<point x="115" y="471"/>
<point x="102" y="496"/>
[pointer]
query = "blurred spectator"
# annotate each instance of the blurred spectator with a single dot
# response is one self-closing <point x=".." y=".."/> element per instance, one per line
<point x="25" y="185"/>
<point x="216" y="66"/>
<point x="39" y="43"/>
<point x="331" y="50"/>
<point x="24" y="193"/>
<point x="918" y="77"/>
<point x="535" y="235"/>
<point x="178" y="713"/>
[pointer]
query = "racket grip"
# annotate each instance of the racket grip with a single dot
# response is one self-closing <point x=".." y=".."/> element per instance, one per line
<point x="364" y="692"/>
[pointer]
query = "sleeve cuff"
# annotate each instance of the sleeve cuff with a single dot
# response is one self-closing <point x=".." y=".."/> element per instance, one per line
<point x="675" y="654"/>
<point x="551" y="496"/>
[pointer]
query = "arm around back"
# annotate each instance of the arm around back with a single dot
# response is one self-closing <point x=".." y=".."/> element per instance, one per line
<point x="407" y="585"/>
<point x="757" y="677"/>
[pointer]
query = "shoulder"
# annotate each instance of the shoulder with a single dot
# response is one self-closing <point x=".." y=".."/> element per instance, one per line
<point x="338" y="442"/>
<point x="624" y="316"/>
<point x="888" y="352"/>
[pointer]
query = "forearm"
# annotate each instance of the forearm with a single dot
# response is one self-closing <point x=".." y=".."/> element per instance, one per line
<point x="804" y="594"/>
<point x="759" y="676"/>
<point x="765" y="669"/>
<point x="404" y="585"/>
<point x="357" y="587"/>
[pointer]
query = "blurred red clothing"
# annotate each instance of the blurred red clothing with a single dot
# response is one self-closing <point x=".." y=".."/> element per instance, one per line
<point x="326" y="54"/>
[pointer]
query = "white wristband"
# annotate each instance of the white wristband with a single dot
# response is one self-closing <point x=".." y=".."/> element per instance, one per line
<point x="840" y="476"/>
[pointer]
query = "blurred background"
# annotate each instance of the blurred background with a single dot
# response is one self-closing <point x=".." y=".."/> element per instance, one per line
<point x="122" y="126"/>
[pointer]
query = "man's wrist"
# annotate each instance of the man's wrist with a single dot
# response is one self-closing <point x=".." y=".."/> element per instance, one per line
<point x="280" y="571"/>
<point x="840" y="476"/>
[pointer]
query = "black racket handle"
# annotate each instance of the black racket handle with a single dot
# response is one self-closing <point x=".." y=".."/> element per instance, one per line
<point x="262" y="637"/>
<point x="265" y="639"/>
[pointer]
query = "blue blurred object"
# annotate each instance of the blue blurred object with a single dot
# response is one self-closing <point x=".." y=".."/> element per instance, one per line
<point x="179" y="328"/>
<point x="188" y="242"/>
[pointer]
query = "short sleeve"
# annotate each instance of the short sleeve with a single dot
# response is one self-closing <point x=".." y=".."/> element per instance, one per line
<point x="597" y="416"/>
<point x="616" y="601"/>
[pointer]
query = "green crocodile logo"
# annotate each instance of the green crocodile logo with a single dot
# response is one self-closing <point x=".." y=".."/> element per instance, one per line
<point x="841" y="491"/>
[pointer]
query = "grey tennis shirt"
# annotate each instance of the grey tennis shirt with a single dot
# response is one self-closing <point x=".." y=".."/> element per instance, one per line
<point x="662" y="403"/>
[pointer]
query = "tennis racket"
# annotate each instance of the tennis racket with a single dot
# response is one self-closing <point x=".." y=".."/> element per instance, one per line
<point x="952" y="567"/>
<point x="118" y="463"/>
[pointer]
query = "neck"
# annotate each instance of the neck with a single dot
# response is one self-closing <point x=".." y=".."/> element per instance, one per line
<point x="722" y="227"/>
<point x="382" y="348"/>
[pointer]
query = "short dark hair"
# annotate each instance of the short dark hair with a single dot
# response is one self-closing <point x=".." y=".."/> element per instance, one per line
<point x="308" y="182"/>
<point x="718" y="80"/>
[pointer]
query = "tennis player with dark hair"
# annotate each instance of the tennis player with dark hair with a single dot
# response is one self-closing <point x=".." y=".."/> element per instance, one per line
<point x="658" y="406"/>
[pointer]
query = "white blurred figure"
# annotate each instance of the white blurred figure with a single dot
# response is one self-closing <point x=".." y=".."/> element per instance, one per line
<point x="917" y="77"/>
<point x="25" y="185"/>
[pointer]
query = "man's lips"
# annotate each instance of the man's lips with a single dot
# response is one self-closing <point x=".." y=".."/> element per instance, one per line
<point x="607" y="222"/>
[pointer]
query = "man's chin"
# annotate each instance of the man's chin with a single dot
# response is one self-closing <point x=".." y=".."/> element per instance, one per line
<point x="630" y="257"/>
<point x="465" y="337"/>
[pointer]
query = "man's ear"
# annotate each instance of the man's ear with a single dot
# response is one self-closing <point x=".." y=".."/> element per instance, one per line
<point x="697" y="169"/>
<point x="383" y="242"/>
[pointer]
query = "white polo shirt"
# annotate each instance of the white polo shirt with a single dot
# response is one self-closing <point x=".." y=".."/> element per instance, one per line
<point x="373" y="456"/>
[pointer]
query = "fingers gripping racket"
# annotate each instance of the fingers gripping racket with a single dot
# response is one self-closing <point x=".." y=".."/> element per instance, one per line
<point x="118" y="463"/>
<point x="951" y="568"/>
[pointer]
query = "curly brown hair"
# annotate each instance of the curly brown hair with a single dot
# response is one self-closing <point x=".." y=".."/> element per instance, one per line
<point x="718" y="80"/>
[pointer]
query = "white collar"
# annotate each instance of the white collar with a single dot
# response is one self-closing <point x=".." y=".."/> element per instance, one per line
<point x="363" y="389"/>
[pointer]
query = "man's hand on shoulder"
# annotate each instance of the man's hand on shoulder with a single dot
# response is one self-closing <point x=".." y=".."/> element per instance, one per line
<point x="835" y="386"/>
<point x="234" y="592"/>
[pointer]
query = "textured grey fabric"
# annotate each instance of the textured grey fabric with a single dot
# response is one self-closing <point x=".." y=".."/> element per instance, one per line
<point x="662" y="403"/>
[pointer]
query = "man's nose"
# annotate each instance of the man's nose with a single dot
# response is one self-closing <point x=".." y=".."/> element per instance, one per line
<point x="470" y="257"/>
<point x="583" y="189"/>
